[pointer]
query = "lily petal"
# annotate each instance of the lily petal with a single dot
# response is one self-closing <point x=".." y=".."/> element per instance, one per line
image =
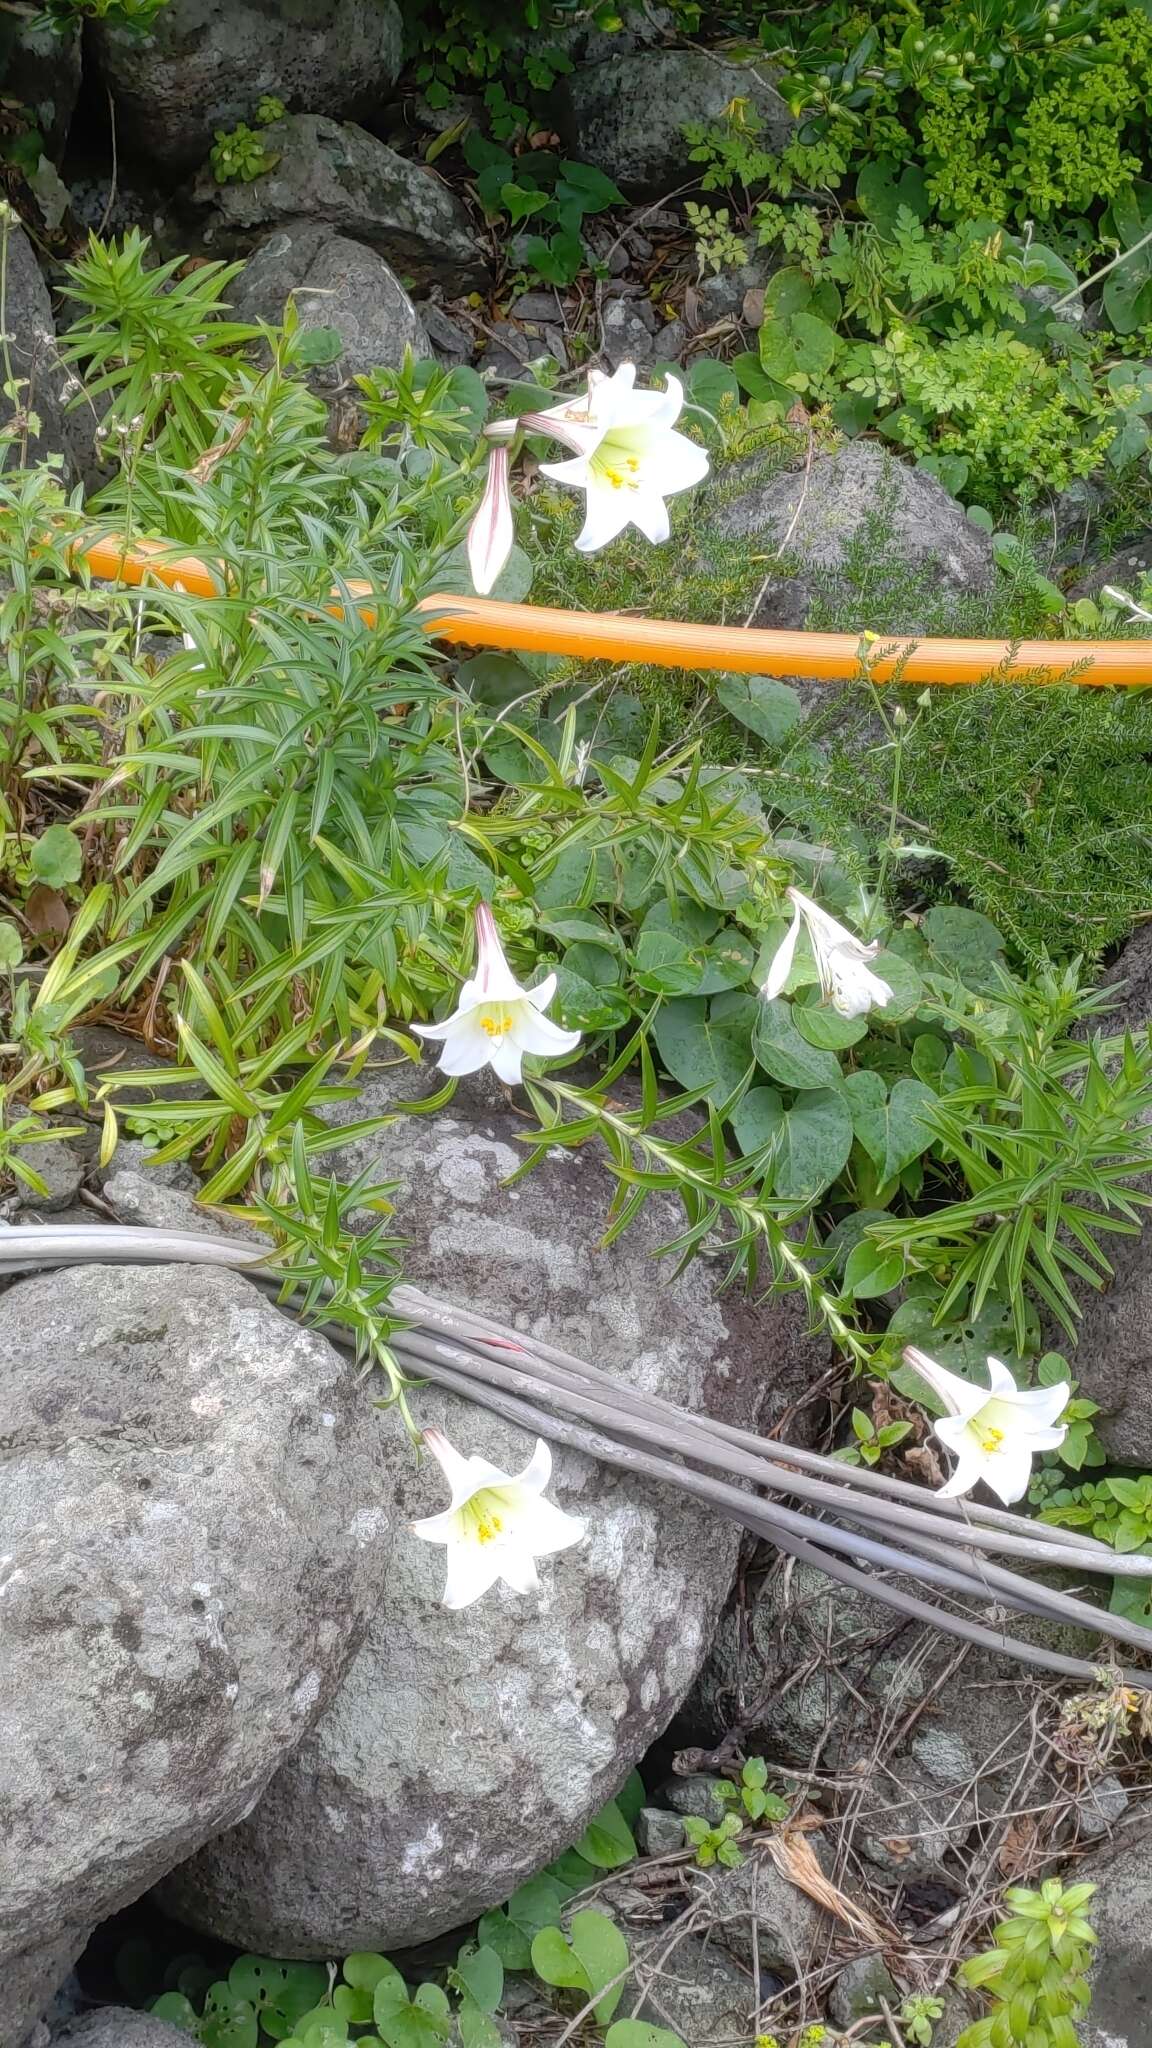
<point x="472" y="1569"/>
<point x="518" y="1570"/>
<point x="547" y="1528"/>
<point x="969" y="1472"/>
<point x="959" y="1396"/>
<point x="1008" y="1472"/>
<point x="538" y="1034"/>
<point x="677" y="462"/>
<point x="1000" y="1379"/>
<point x="537" y="1472"/>
<point x="650" y="514"/>
<point x="495" y="980"/>
<point x="954" y="1432"/>
<point x="1046" y="1439"/>
<point x="782" y="960"/>
<point x="505" y="1061"/>
<point x="492" y="532"/>
<point x="457" y="1470"/>
<point x="542" y="994"/>
<point x="439" y="1528"/>
<point x="466" y="1047"/>
<point x="573" y="470"/>
<point x="606" y="514"/>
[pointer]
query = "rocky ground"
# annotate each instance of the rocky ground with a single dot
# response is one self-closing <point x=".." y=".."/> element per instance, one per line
<point x="221" y="1625"/>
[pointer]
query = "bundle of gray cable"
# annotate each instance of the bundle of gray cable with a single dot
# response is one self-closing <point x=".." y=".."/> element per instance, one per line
<point x="885" y="1525"/>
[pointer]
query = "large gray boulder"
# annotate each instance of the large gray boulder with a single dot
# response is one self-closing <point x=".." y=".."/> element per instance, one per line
<point x="193" y="1533"/>
<point x="31" y="1979"/>
<point x="1120" y="2015"/>
<point x="334" y="283"/>
<point x="340" y="174"/>
<point x="1113" y="1353"/>
<point x="45" y="380"/>
<point x="815" y="516"/>
<point x="465" y="1750"/>
<point x="205" y="64"/>
<point x="627" y="114"/>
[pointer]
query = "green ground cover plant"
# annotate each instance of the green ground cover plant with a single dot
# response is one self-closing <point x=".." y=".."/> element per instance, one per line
<point x="1033" y="1975"/>
<point x="265" y="834"/>
<point x="581" y="1954"/>
<point x="955" y="171"/>
<point x="1030" y="804"/>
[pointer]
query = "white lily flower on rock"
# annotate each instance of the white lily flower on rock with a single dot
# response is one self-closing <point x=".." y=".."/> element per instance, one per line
<point x="496" y="1524"/>
<point x="846" y="981"/>
<point x="496" y="1021"/>
<point x="628" y="457"/>
<point x="491" y="533"/>
<point x="994" y="1431"/>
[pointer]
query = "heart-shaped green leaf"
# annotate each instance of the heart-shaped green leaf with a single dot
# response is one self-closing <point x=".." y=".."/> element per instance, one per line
<point x="704" y="1045"/>
<point x="813" y="1138"/>
<point x="788" y="1057"/>
<point x="892" y="1128"/>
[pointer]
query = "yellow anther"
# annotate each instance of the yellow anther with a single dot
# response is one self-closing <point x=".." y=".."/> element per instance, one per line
<point x="992" y="1440"/>
<point x="497" y="1023"/>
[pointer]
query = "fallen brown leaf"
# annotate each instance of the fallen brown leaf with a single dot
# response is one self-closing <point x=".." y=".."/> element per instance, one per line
<point x="923" y="1462"/>
<point x="46" y="912"/>
<point x="1017" y="1852"/>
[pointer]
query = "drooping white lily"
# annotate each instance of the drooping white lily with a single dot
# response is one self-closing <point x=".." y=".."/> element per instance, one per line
<point x="994" y="1431"/>
<point x="846" y="980"/>
<point x="496" y="1021"/>
<point x="628" y="458"/>
<point x="491" y="533"/>
<point x="496" y="1525"/>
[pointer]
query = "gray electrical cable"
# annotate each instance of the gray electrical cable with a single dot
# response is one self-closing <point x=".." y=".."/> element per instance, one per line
<point x="941" y="1542"/>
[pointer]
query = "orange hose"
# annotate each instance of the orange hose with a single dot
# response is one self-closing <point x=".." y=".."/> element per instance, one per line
<point x="664" y="643"/>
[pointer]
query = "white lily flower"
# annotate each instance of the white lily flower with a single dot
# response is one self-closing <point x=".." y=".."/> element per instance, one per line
<point x="496" y="1021"/>
<point x="496" y="1525"/>
<point x="841" y="961"/>
<point x="628" y="458"/>
<point x="491" y="533"/>
<point x="995" y="1432"/>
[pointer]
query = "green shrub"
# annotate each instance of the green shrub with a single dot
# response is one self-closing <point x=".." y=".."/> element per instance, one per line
<point x="501" y="48"/>
<point x="1017" y="108"/>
